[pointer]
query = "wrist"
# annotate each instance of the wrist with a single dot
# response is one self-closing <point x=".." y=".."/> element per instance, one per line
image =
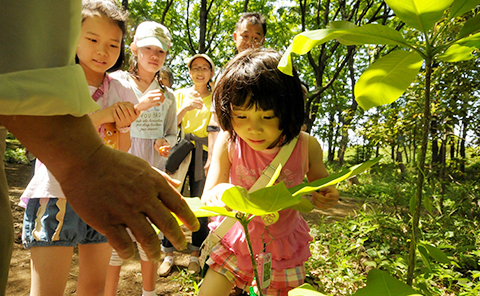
<point x="123" y="129"/>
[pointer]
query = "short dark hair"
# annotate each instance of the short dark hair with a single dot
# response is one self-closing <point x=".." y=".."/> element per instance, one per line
<point x="253" y="18"/>
<point x="253" y="80"/>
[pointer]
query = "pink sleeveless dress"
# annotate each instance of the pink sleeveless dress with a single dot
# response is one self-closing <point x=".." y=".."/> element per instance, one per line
<point x="287" y="240"/>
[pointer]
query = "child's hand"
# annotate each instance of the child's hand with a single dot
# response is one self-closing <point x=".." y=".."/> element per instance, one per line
<point x="150" y="99"/>
<point x="213" y="197"/>
<point x="162" y="147"/>
<point x="326" y="198"/>
<point x="124" y="114"/>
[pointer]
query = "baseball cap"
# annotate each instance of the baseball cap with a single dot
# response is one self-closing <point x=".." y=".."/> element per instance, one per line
<point x="152" y="33"/>
<point x="201" y="55"/>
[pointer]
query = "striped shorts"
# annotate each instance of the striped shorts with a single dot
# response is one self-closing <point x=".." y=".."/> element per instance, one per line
<point x="224" y="262"/>
<point x="52" y="222"/>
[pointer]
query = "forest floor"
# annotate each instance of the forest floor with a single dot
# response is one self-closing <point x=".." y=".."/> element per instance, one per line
<point x="130" y="283"/>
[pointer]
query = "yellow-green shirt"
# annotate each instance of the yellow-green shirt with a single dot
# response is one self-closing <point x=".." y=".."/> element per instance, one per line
<point x="195" y="121"/>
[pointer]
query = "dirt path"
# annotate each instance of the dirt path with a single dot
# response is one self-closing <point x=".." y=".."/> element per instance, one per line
<point x="130" y="277"/>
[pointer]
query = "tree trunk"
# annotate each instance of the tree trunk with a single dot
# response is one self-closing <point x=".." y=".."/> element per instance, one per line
<point x="203" y="26"/>
<point x="347" y="118"/>
<point x="421" y="174"/>
<point x="463" y="155"/>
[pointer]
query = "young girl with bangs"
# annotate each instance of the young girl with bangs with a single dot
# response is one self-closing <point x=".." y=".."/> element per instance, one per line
<point x="51" y="228"/>
<point x="154" y="132"/>
<point x="261" y="109"/>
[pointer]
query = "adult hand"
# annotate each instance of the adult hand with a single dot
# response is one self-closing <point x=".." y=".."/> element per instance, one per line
<point x="124" y="114"/>
<point x="196" y="103"/>
<point x="129" y="192"/>
<point x="109" y="189"/>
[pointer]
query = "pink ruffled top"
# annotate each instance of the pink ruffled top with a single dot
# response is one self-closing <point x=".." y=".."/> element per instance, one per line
<point x="288" y="239"/>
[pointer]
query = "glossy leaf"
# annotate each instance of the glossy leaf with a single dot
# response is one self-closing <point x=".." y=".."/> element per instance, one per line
<point x="303" y="43"/>
<point x="457" y="53"/>
<point x="305" y="188"/>
<point x="459" y="7"/>
<point x="387" y="79"/>
<point x="257" y="203"/>
<point x="381" y="283"/>
<point x="304" y="290"/>
<point x="470" y="41"/>
<point x="279" y="196"/>
<point x="345" y="32"/>
<point x="419" y="14"/>
<point x="371" y="34"/>
<point x="471" y="26"/>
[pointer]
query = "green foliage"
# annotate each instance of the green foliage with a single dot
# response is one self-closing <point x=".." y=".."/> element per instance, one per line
<point x="16" y="155"/>
<point x="187" y="282"/>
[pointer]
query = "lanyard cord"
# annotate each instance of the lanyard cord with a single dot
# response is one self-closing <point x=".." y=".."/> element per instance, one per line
<point x="102" y="91"/>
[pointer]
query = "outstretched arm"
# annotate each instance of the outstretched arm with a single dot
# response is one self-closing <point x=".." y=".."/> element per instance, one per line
<point x="218" y="177"/>
<point x="109" y="189"/>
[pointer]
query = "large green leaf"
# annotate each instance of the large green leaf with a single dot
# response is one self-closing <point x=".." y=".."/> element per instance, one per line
<point x="279" y="196"/>
<point x="261" y="202"/>
<point x="387" y="79"/>
<point x="381" y="283"/>
<point x="371" y="34"/>
<point x="457" y="53"/>
<point x="303" y="43"/>
<point x="305" y="188"/>
<point x="470" y="41"/>
<point x="459" y="7"/>
<point x="345" y="32"/>
<point x="419" y="14"/>
<point x="304" y="290"/>
<point x="470" y="27"/>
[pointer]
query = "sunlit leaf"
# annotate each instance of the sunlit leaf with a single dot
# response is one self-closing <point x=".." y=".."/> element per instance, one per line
<point x="381" y="283"/>
<point x="419" y="14"/>
<point x="470" y="41"/>
<point x="471" y="26"/>
<point x="303" y="43"/>
<point x="387" y="79"/>
<point x="345" y="32"/>
<point x="279" y="196"/>
<point x="305" y="188"/>
<point x="457" y="53"/>
<point x="257" y="203"/>
<point x="371" y="34"/>
<point x="304" y="290"/>
<point x="459" y="7"/>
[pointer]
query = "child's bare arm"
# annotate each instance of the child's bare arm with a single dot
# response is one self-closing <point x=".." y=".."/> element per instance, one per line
<point x="219" y="173"/>
<point x="328" y="196"/>
<point x="124" y="114"/>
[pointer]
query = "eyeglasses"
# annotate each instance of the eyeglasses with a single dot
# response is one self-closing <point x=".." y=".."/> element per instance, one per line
<point x="200" y="69"/>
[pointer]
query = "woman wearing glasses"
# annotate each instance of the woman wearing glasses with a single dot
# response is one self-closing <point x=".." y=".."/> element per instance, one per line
<point x="193" y="113"/>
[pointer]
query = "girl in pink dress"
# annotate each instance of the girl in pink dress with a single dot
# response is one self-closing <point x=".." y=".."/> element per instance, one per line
<point x="261" y="109"/>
